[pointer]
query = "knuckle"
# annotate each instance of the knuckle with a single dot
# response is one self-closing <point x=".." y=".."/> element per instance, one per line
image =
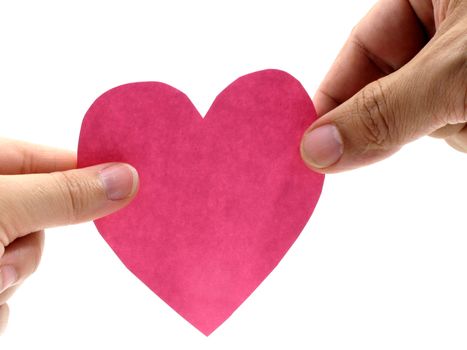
<point x="75" y="194"/>
<point x="451" y="76"/>
<point x="376" y="117"/>
<point x="457" y="109"/>
<point x="447" y="78"/>
<point x="26" y="162"/>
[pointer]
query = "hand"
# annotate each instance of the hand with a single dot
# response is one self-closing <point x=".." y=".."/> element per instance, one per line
<point x="38" y="189"/>
<point x="401" y="75"/>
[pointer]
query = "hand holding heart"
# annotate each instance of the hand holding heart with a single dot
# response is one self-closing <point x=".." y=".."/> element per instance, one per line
<point x="401" y="75"/>
<point x="40" y="188"/>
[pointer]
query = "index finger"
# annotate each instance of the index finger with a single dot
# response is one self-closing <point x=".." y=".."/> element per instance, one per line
<point x="389" y="36"/>
<point x="17" y="157"/>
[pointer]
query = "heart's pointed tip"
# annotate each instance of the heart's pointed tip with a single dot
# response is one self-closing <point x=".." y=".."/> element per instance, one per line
<point x="207" y="327"/>
<point x="206" y="331"/>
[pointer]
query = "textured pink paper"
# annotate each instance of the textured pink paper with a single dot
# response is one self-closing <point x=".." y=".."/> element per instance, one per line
<point x="221" y="199"/>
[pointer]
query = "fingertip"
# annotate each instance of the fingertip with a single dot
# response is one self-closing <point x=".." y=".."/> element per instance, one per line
<point x="119" y="180"/>
<point x="135" y="181"/>
<point x="322" y="146"/>
<point x="323" y="103"/>
<point x="65" y="160"/>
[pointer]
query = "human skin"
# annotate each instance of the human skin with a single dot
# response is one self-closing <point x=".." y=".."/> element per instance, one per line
<point x="40" y="188"/>
<point x="402" y="74"/>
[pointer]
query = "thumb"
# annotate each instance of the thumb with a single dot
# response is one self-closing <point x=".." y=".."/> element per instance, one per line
<point x="373" y="124"/>
<point x="36" y="201"/>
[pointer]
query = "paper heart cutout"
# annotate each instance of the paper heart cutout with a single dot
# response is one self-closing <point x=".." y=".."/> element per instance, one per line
<point x="221" y="199"/>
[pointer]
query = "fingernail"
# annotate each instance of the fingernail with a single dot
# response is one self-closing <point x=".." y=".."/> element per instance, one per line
<point x="119" y="181"/>
<point x="8" y="276"/>
<point x="322" y="146"/>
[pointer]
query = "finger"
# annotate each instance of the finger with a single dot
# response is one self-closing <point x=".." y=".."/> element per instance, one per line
<point x="380" y="119"/>
<point x="33" y="202"/>
<point x="424" y="95"/>
<point x="384" y="40"/>
<point x="459" y="140"/>
<point x="448" y="130"/>
<point x="4" y="313"/>
<point x="7" y="294"/>
<point x="18" y="157"/>
<point x="20" y="260"/>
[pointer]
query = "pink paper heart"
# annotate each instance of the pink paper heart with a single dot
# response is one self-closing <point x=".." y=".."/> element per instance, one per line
<point x="221" y="199"/>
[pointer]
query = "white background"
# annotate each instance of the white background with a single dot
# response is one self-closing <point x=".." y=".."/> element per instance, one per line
<point x="382" y="263"/>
